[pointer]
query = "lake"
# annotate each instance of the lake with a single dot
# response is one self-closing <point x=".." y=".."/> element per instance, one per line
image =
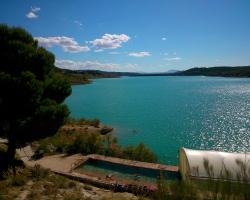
<point x="167" y="113"/>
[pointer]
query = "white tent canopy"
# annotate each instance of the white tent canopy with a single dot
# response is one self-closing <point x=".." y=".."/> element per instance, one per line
<point x="214" y="164"/>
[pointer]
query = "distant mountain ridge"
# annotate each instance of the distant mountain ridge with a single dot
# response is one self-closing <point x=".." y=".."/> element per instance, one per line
<point x="108" y="74"/>
<point x="83" y="76"/>
<point x="97" y="73"/>
<point x="172" y="71"/>
<point x="224" y="71"/>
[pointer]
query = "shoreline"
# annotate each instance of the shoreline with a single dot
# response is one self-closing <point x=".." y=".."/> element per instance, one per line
<point x="93" y="79"/>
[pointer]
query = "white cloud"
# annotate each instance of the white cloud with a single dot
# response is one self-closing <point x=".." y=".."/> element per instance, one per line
<point x="109" y="41"/>
<point x="32" y="14"/>
<point x="35" y="9"/>
<point x="98" y="50"/>
<point x="75" y="48"/>
<point x="66" y="43"/>
<point x="139" y="54"/>
<point x="94" y="65"/>
<point x="83" y="65"/>
<point x="163" y="38"/>
<point x="173" y="59"/>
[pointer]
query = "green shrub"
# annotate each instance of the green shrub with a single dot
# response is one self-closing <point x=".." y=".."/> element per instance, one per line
<point x="82" y="121"/>
<point x="71" y="184"/>
<point x="74" y="196"/>
<point x="71" y="141"/>
<point x="41" y="150"/>
<point x="140" y="153"/>
<point x="3" y="187"/>
<point x="86" y="144"/>
<point x="18" y="179"/>
<point x="175" y="190"/>
<point x="33" y="195"/>
<point x="3" y="148"/>
<point x="60" y="182"/>
<point x="50" y="189"/>
<point x="94" y="122"/>
<point x="37" y="172"/>
<point x="87" y="187"/>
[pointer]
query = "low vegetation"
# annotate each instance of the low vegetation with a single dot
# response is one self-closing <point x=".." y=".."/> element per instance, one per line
<point x="215" y="187"/>
<point x="73" y="78"/>
<point x="83" y="76"/>
<point x="208" y="189"/>
<point x="83" y="122"/>
<point x="81" y="140"/>
<point x="39" y="183"/>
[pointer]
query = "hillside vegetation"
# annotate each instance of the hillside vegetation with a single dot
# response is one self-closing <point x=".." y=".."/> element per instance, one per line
<point x="85" y="137"/>
<point x="83" y="76"/>
<point x="240" y="71"/>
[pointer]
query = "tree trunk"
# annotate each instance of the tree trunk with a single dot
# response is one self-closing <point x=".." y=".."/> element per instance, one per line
<point x="11" y="152"/>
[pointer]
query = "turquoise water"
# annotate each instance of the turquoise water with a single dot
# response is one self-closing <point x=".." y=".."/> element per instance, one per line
<point x="167" y="113"/>
<point x="125" y="172"/>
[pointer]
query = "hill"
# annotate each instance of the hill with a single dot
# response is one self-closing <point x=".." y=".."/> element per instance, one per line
<point x="238" y="71"/>
<point x="84" y="76"/>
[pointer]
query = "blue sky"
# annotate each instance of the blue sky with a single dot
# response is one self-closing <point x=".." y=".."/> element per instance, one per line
<point x="136" y="35"/>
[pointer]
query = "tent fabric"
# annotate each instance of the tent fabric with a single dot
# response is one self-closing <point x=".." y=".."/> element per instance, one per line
<point x="214" y="164"/>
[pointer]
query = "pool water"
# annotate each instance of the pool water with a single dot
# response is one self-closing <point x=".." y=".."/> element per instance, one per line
<point x="125" y="171"/>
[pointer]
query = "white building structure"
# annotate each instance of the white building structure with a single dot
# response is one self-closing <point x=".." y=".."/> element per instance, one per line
<point x="200" y="164"/>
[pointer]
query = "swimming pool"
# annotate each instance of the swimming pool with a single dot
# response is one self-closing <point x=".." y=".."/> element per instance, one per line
<point x="126" y="172"/>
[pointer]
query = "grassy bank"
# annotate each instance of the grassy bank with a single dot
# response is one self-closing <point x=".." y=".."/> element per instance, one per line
<point x="38" y="183"/>
<point x="82" y="77"/>
<point x="86" y="137"/>
<point x="202" y="190"/>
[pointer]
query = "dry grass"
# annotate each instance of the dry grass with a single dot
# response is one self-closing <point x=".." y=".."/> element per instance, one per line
<point x="38" y="183"/>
